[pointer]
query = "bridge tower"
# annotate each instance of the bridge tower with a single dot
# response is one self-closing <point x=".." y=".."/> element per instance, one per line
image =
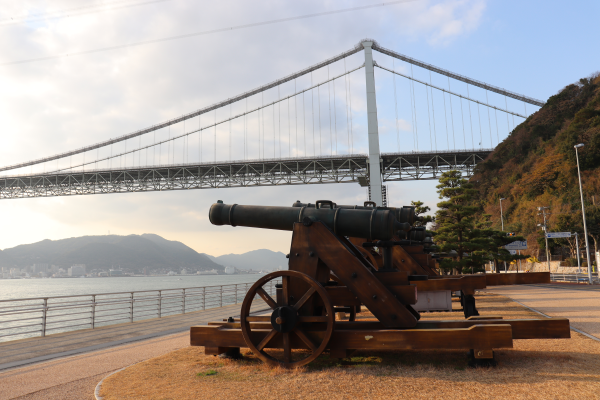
<point x="375" y="188"/>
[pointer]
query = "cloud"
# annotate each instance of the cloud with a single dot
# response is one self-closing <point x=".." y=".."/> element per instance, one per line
<point x="57" y="105"/>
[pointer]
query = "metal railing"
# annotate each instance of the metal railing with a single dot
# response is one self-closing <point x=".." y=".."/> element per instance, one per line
<point x="574" y="278"/>
<point x="39" y="316"/>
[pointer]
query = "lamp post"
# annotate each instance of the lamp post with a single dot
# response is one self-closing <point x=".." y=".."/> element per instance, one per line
<point x="587" y="245"/>
<point x="502" y="221"/>
<point x="545" y="227"/>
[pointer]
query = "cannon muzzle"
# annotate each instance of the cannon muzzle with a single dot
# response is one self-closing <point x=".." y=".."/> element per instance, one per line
<point x="373" y="224"/>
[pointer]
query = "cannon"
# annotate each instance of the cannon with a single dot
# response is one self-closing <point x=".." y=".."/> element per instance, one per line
<point x="299" y="324"/>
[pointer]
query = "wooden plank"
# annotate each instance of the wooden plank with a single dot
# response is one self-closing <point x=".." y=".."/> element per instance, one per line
<point x="550" y="328"/>
<point x="478" y="336"/>
<point x="553" y="328"/>
<point x="455" y="284"/>
<point x="389" y="278"/>
<point x="527" y="278"/>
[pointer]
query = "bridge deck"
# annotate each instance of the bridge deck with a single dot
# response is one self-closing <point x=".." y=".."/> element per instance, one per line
<point x="22" y="352"/>
<point x="272" y="172"/>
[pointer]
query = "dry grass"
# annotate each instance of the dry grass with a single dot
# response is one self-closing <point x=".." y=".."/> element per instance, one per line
<point x="538" y="369"/>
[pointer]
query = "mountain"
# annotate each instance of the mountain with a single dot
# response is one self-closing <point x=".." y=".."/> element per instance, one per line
<point x="257" y="260"/>
<point x="131" y="253"/>
<point x="536" y="166"/>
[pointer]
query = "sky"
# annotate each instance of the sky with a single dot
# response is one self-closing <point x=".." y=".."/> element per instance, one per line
<point x="57" y="93"/>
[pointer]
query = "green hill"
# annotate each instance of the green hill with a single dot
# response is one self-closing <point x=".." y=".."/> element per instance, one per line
<point x="536" y="166"/>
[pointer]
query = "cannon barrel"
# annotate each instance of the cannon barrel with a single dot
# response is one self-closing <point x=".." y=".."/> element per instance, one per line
<point x="403" y="214"/>
<point x="374" y="224"/>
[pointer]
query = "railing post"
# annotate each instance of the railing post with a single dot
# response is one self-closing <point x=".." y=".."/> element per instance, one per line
<point x="159" y="304"/>
<point x="183" y="305"/>
<point x="131" y="309"/>
<point x="93" y="311"/>
<point x="44" y="316"/>
<point x="204" y="298"/>
<point x="221" y="301"/>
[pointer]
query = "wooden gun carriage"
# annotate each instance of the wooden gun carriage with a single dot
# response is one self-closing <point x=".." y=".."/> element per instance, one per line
<point x="412" y="255"/>
<point x="301" y="317"/>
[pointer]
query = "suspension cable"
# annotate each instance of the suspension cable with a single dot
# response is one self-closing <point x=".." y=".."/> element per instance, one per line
<point x="452" y="117"/>
<point x="415" y="109"/>
<point x="470" y="119"/>
<point x="429" y="117"/>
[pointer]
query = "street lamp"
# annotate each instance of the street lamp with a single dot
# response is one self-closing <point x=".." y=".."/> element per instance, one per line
<point x="545" y="227"/>
<point x="502" y="221"/>
<point x="501" y="218"/>
<point x="587" y="245"/>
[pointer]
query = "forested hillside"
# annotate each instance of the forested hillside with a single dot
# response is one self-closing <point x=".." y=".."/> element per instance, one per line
<point x="536" y="166"/>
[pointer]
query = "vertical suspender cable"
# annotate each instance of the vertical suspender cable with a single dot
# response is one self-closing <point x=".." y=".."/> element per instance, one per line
<point x="262" y="95"/>
<point x="335" y="119"/>
<point x="462" y="116"/>
<point x="396" y="107"/>
<point x="312" y="112"/>
<point x="412" y="114"/>
<point x="274" y="145"/>
<point x="329" y="98"/>
<point x="183" y="148"/>
<point x="506" y="108"/>
<point x="480" y="130"/>
<point x="415" y="108"/>
<point x="452" y="116"/>
<point x="433" y="112"/>
<point x="289" y="130"/>
<point x="320" y="136"/>
<point x="446" y="119"/>
<point x="346" y="97"/>
<point x="429" y="115"/>
<point x="470" y="119"/>
<point x="245" y="127"/>
<point x="230" y="132"/>
<point x="351" y="123"/>
<point x="279" y="118"/>
<point x="304" y="122"/>
<point x="215" y="137"/>
<point x="497" y="131"/>
<point x="296" y="115"/>
<point x="489" y="119"/>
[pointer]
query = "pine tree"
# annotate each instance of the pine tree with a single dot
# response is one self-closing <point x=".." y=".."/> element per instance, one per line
<point x="455" y="218"/>
<point x="421" y="209"/>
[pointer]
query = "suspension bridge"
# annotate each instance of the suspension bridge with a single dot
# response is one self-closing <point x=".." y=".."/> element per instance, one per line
<point x="297" y="131"/>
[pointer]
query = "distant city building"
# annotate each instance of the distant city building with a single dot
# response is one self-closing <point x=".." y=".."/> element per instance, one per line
<point x="77" y="270"/>
<point x="37" y="268"/>
<point x="211" y="272"/>
<point x="103" y="273"/>
<point x="184" y="271"/>
<point x="171" y="273"/>
<point x="230" y="270"/>
<point x="115" y="272"/>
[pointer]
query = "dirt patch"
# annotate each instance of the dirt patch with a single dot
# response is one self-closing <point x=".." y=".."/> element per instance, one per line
<point x="534" y="369"/>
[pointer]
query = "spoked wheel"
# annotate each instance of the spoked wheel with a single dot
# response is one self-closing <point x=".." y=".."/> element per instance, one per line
<point x="289" y="326"/>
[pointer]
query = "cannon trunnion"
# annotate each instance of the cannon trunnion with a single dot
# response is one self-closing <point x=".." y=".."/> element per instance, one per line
<point x="329" y="271"/>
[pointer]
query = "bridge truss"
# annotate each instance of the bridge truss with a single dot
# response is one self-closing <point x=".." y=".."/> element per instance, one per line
<point x="295" y="171"/>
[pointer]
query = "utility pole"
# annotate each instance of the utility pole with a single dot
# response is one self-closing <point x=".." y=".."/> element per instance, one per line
<point x="502" y="221"/>
<point x="587" y="244"/>
<point x="373" y="129"/>
<point x="545" y="228"/>
<point x="577" y="247"/>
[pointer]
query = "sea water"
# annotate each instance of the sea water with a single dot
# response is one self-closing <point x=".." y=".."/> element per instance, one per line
<point x="48" y="287"/>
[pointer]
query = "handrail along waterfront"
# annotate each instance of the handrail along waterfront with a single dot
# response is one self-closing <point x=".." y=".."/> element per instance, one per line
<point x="39" y="316"/>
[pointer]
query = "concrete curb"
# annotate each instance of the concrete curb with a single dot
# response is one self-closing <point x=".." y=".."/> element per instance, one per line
<point x="99" y="385"/>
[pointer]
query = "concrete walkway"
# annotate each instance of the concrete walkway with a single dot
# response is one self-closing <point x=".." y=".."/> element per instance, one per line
<point x="69" y="365"/>
<point x="579" y="303"/>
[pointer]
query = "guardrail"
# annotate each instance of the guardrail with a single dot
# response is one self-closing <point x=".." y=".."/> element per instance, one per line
<point x="39" y="316"/>
<point x="575" y="278"/>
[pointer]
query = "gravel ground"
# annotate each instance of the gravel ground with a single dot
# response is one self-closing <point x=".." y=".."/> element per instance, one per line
<point x="76" y="377"/>
<point x="581" y="306"/>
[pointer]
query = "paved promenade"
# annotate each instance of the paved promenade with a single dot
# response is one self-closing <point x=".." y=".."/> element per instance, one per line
<point x="579" y="303"/>
<point x="69" y="365"/>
